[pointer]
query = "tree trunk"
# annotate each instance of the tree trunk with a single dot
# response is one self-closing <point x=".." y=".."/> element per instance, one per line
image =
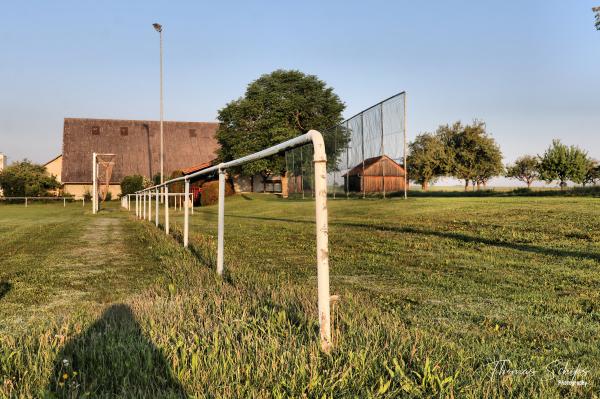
<point x="466" y="184"/>
<point x="563" y="184"/>
<point x="528" y="184"/>
<point x="478" y="185"/>
<point x="425" y="186"/>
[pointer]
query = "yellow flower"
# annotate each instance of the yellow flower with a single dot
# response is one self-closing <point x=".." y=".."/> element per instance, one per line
<point x="65" y="376"/>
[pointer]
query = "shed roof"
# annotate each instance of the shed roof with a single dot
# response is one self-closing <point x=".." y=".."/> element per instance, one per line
<point x="136" y="144"/>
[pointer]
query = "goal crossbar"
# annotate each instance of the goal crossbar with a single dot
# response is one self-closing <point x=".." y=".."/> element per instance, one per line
<point x="143" y="200"/>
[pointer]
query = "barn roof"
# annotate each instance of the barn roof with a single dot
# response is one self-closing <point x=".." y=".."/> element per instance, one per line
<point x="136" y="145"/>
<point x="370" y="164"/>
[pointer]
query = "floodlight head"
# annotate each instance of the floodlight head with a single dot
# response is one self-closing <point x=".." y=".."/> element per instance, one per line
<point x="157" y="27"/>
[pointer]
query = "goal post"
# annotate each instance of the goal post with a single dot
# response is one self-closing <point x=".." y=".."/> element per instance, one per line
<point x="322" y="241"/>
<point x="102" y="167"/>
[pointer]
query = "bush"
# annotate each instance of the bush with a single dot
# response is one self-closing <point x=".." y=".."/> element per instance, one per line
<point x="26" y="179"/>
<point x="108" y="196"/>
<point x="210" y="192"/>
<point x="131" y="184"/>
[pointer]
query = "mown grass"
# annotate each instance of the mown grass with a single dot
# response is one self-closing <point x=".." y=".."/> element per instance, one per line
<point x="433" y="292"/>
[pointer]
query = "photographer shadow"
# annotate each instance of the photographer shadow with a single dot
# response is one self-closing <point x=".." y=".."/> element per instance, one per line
<point x="113" y="358"/>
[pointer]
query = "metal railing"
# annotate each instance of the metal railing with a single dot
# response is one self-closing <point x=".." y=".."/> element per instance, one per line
<point x="26" y="200"/>
<point x="143" y="205"/>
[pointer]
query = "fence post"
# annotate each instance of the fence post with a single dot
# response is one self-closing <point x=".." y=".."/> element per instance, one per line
<point x="221" y="223"/>
<point x="25" y="202"/>
<point x="137" y="212"/>
<point x="320" y="166"/>
<point x="144" y="206"/>
<point x="167" y="209"/>
<point x="156" y="209"/>
<point x="64" y="202"/>
<point x="186" y="214"/>
<point x="149" y="194"/>
<point x="83" y="201"/>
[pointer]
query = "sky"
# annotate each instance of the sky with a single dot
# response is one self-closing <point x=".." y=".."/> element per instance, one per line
<point x="529" y="69"/>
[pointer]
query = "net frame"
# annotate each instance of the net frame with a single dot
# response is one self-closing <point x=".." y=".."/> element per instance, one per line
<point x="102" y="168"/>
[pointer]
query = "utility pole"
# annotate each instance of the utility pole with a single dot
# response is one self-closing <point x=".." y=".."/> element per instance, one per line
<point x="158" y="28"/>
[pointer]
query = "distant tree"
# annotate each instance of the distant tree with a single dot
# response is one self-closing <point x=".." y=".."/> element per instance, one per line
<point x="563" y="163"/>
<point x="592" y="174"/>
<point x="131" y="184"/>
<point x="596" y="10"/>
<point x="525" y="169"/>
<point x="26" y="179"/>
<point x="428" y="159"/>
<point x="474" y="155"/>
<point x="277" y="107"/>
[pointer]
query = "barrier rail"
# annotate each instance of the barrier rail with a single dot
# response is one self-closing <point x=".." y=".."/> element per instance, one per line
<point x="143" y="203"/>
<point x="27" y="199"/>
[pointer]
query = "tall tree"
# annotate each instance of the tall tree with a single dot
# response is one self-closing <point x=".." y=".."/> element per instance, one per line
<point x="475" y="156"/>
<point x="277" y="107"/>
<point x="428" y="159"/>
<point x="25" y="178"/>
<point x="563" y="163"/>
<point x="525" y="169"/>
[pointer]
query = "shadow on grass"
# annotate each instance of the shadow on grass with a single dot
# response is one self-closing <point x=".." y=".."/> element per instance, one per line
<point x="113" y="358"/>
<point x="446" y="234"/>
<point x="5" y="286"/>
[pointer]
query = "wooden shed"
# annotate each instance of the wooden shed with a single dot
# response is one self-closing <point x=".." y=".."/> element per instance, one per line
<point x="379" y="172"/>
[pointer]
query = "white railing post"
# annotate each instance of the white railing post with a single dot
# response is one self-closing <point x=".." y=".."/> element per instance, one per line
<point x="137" y="212"/>
<point x="25" y="202"/>
<point x="166" y="209"/>
<point x="149" y="205"/>
<point x="156" y="209"/>
<point x="144" y="206"/>
<point x="186" y="214"/>
<point x="64" y="202"/>
<point x="320" y="163"/>
<point x="221" y="223"/>
<point x="129" y="202"/>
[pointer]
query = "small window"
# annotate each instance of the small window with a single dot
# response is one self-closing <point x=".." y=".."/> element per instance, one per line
<point x="124" y="131"/>
<point x="95" y="130"/>
<point x="192" y="132"/>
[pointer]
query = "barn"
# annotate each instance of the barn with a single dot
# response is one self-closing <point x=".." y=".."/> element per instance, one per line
<point x="136" y="145"/>
<point x="379" y="172"/>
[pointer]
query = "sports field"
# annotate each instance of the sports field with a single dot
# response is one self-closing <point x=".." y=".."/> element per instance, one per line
<point x="440" y="297"/>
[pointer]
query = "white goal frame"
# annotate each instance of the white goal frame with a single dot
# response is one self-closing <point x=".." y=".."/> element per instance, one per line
<point x="143" y="203"/>
<point x="95" y="203"/>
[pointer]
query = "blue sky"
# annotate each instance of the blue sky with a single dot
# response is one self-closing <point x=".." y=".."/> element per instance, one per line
<point x="529" y="69"/>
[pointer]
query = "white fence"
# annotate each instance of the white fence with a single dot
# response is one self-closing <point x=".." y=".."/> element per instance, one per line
<point x="143" y="210"/>
<point x="27" y="200"/>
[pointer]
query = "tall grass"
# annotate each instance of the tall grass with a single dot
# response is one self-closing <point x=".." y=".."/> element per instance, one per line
<point x="430" y="325"/>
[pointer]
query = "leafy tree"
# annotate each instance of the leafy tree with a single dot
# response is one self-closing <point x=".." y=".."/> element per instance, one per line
<point x="131" y="184"/>
<point x="428" y="159"/>
<point x="277" y="107"/>
<point x="563" y="163"/>
<point x="592" y="174"/>
<point x="26" y="179"/>
<point x="525" y="169"/>
<point x="474" y="155"/>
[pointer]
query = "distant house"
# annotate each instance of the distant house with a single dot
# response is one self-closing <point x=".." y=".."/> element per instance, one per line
<point x="377" y="172"/>
<point x="241" y="184"/>
<point x="54" y="168"/>
<point x="136" y="145"/>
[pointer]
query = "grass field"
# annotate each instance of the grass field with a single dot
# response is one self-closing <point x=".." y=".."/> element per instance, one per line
<point x="439" y="297"/>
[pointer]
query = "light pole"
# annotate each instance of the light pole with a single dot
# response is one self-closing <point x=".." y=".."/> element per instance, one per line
<point x="158" y="28"/>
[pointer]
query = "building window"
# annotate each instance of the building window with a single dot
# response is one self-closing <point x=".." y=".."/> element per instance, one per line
<point x="192" y="132"/>
<point x="124" y="131"/>
<point x="95" y="130"/>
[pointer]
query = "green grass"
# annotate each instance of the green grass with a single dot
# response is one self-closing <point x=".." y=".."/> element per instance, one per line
<point x="433" y="292"/>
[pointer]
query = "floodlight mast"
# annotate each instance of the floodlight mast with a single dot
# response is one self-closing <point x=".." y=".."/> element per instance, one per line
<point x="158" y="28"/>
